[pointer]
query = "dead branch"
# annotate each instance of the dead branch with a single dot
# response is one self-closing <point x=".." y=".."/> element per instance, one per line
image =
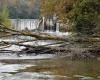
<point x="40" y="36"/>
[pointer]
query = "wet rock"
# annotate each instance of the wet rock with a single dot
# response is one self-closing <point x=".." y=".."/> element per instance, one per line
<point x="99" y="77"/>
<point x="3" y="76"/>
<point x="87" y="78"/>
<point x="13" y="67"/>
<point x="78" y="76"/>
<point x="30" y="76"/>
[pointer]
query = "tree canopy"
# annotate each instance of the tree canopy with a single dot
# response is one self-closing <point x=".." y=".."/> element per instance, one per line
<point x="4" y="16"/>
<point x="82" y="16"/>
<point x="86" y="13"/>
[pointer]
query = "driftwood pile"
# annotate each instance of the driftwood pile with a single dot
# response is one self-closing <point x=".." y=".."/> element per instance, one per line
<point x="60" y="51"/>
<point x="72" y="53"/>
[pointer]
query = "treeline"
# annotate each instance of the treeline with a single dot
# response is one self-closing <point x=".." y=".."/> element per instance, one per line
<point x="81" y="16"/>
<point x="22" y="8"/>
<point x="86" y="16"/>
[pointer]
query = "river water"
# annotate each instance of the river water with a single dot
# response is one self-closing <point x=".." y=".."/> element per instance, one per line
<point x="46" y="67"/>
<point x="49" y="69"/>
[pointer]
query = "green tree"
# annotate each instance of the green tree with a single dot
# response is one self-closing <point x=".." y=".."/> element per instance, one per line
<point x="4" y="17"/>
<point x="85" y="15"/>
<point x="58" y="7"/>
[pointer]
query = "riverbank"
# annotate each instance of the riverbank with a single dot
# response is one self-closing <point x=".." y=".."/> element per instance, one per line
<point x="83" y="47"/>
<point x="74" y="48"/>
<point x="70" y="53"/>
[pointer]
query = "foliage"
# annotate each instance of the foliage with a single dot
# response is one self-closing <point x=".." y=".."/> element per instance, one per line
<point x="23" y="9"/>
<point x="4" y="16"/>
<point x="58" y="7"/>
<point x="82" y="16"/>
<point x="85" y="15"/>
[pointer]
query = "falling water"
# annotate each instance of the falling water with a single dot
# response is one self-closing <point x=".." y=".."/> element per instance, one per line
<point x="32" y="24"/>
<point x="22" y="24"/>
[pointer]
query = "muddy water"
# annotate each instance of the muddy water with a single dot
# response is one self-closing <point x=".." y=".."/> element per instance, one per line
<point x="49" y="69"/>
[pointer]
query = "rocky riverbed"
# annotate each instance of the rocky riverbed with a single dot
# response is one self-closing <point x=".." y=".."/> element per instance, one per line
<point x="74" y="48"/>
<point x="70" y="51"/>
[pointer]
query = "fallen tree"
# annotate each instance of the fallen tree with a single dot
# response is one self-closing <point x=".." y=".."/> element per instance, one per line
<point x="62" y="50"/>
<point x="35" y="35"/>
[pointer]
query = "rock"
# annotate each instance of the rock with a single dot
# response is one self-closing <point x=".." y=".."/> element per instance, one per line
<point x="78" y="76"/>
<point x="87" y="78"/>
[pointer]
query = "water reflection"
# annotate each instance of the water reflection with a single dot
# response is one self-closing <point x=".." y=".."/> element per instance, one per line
<point x="50" y="69"/>
<point x="12" y="67"/>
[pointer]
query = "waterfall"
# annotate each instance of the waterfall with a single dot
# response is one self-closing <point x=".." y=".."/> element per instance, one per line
<point x="33" y="24"/>
<point x="22" y="24"/>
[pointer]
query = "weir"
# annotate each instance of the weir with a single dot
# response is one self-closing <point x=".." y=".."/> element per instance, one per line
<point x="43" y="25"/>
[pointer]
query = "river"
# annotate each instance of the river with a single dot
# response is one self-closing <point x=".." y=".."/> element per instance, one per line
<point x="49" y="69"/>
<point x="46" y="67"/>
